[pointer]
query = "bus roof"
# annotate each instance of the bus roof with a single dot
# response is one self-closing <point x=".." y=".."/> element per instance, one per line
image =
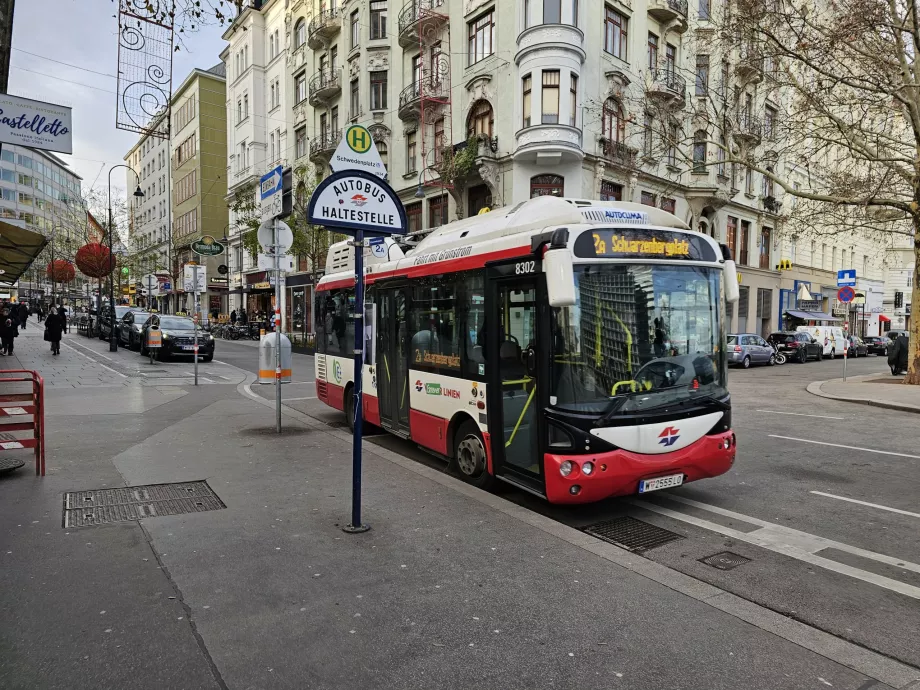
<point x="503" y="230"/>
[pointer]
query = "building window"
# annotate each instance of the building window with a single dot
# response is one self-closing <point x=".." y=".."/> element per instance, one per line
<point x="766" y="241"/>
<point x="652" y="53"/>
<point x="673" y="134"/>
<point x="865" y="268"/>
<point x="271" y="98"/>
<point x="186" y="188"/>
<point x="748" y="181"/>
<point x="547" y="185"/>
<point x="438" y="141"/>
<point x="481" y="37"/>
<point x="300" y="142"/>
<point x="721" y="169"/>
<point x="355" y="31"/>
<point x="186" y="150"/>
<point x="378" y="19"/>
<point x="410" y="153"/>
<point x="769" y="123"/>
<point x="745" y="241"/>
<point x="648" y="199"/>
<point x="379" y="90"/>
<point x="271" y="46"/>
<point x="704" y="9"/>
<point x="702" y="75"/>
<point x="552" y="11"/>
<point x="271" y="147"/>
<point x="731" y="236"/>
<point x="573" y="98"/>
<point x="670" y="58"/>
<point x="615" y="33"/>
<point x="611" y="191"/>
<point x="300" y="33"/>
<point x="648" y="134"/>
<point x="481" y="119"/>
<point x="437" y="212"/>
<point x="699" y="152"/>
<point x="384" y="153"/>
<point x="613" y="122"/>
<point x="668" y="204"/>
<point x="245" y="105"/>
<point x="355" y="98"/>
<point x="239" y="118"/>
<point x="300" y="87"/>
<point x="528" y="22"/>
<point x="526" y="88"/>
<point x="413" y="218"/>
<point x="550" y="97"/>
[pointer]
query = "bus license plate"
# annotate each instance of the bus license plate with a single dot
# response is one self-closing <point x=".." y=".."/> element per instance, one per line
<point x="657" y="483"/>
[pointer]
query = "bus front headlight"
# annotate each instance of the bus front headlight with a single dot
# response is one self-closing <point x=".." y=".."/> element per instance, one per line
<point x="565" y="469"/>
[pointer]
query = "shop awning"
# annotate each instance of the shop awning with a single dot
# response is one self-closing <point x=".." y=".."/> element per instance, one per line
<point x="18" y="249"/>
<point x="882" y="317"/>
<point x="813" y="316"/>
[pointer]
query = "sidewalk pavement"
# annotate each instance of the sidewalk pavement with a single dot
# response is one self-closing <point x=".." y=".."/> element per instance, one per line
<point x="452" y="588"/>
<point x="879" y="390"/>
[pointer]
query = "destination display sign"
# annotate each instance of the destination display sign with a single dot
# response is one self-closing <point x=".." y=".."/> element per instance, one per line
<point x="642" y="243"/>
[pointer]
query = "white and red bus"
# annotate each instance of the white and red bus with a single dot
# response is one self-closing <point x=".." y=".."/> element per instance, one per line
<point x="572" y="348"/>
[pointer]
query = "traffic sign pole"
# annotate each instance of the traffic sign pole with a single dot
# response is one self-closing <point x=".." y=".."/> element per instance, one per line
<point x="277" y="317"/>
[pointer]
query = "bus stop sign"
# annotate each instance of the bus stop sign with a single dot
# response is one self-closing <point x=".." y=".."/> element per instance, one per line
<point x="353" y="200"/>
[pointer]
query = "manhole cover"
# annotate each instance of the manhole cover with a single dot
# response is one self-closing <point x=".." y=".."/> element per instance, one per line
<point x="632" y="534"/>
<point x="103" y="506"/>
<point x="9" y="464"/>
<point x="725" y="560"/>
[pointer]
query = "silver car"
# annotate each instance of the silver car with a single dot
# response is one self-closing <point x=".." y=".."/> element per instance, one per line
<point x="745" y="349"/>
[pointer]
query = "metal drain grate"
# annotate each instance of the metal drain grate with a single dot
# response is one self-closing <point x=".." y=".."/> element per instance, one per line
<point x="103" y="506"/>
<point x="631" y="534"/>
<point x="725" y="560"/>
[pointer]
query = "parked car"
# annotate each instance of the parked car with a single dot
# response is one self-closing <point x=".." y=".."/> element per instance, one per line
<point x="877" y="344"/>
<point x="105" y="326"/>
<point x="178" y="336"/>
<point x="129" y="328"/>
<point x="798" y="346"/>
<point x="832" y="337"/>
<point x="858" y="347"/>
<point x="893" y="335"/>
<point x="745" y="349"/>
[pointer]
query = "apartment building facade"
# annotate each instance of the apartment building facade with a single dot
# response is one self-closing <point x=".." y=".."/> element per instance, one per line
<point x="150" y="216"/>
<point x="198" y="146"/>
<point x="596" y="99"/>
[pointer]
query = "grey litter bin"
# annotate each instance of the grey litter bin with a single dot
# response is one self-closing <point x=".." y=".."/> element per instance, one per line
<point x="267" y="344"/>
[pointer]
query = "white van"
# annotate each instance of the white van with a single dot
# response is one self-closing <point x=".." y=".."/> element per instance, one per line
<point x="832" y="337"/>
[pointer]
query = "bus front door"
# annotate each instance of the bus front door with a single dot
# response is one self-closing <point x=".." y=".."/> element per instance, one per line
<point x="514" y="385"/>
<point x="392" y="366"/>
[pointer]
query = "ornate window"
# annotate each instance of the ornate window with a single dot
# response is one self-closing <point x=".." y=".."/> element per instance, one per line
<point x="547" y="185"/>
<point x="300" y="33"/>
<point x="613" y="123"/>
<point x="481" y="119"/>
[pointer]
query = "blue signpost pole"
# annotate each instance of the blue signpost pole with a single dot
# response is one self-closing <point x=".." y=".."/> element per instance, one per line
<point x="356" y="524"/>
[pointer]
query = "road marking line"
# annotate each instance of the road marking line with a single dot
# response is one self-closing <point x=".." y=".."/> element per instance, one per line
<point x="98" y="364"/>
<point x="800" y="414"/>
<point x="840" y="445"/>
<point x="789" y="542"/>
<point x="865" y="503"/>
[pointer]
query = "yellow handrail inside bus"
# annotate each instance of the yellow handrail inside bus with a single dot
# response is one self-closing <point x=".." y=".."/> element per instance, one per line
<point x="647" y="385"/>
<point x="521" y="418"/>
<point x="597" y="338"/>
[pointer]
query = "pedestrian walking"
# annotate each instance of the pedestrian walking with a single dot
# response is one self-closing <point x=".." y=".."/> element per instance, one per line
<point x="23" y="314"/>
<point x="897" y="355"/>
<point x="54" y="329"/>
<point x="40" y="310"/>
<point x="233" y="317"/>
<point x="9" y="329"/>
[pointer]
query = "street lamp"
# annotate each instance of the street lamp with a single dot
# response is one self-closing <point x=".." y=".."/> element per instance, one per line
<point x="113" y="343"/>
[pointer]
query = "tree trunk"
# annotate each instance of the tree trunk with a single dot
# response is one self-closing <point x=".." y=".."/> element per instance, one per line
<point x="913" y="353"/>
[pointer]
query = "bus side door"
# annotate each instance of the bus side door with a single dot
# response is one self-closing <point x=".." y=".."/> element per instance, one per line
<point x="392" y="366"/>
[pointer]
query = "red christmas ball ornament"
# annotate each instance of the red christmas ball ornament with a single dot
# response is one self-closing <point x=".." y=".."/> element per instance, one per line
<point x="95" y="260"/>
<point x="61" y="271"/>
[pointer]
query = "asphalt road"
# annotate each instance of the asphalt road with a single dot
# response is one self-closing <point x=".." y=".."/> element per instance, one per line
<point x="822" y="501"/>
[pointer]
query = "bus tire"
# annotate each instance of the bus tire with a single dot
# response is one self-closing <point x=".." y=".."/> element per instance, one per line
<point x="469" y="458"/>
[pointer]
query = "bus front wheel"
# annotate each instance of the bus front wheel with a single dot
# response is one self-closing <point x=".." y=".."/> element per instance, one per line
<point x="470" y="459"/>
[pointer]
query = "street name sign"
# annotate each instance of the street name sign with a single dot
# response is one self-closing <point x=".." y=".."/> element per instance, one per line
<point x="353" y="200"/>
<point x="357" y="151"/>
<point x="270" y="193"/>
<point x="846" y="278"/>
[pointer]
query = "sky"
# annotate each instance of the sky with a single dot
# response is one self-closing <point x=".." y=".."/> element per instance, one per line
<point x="83" y="34"/>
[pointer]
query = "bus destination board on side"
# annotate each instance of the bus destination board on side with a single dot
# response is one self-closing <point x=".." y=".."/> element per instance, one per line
<point x="642" y="243"/>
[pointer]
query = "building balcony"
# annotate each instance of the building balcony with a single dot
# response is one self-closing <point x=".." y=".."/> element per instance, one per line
<point x="324" y="86"/>
<point x="410" y="98"/>
<point x="534" y="41"/>
<point x="749" y="67"/>
<point x="324" y="145"/>
<point x="771" y="204"/>
<point x="420" y="17"/>
<point x="668" y="89"/>
<point x="323" y="28"/>
<point x="618" y="153"/>
<point x="548" y="144"/>
<point x="748" y="130"/>
<point x="670" y="11"/>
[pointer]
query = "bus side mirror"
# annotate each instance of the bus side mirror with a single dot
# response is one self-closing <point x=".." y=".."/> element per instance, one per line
<point x="560" y="277"/>
<point x="730" y="274"/>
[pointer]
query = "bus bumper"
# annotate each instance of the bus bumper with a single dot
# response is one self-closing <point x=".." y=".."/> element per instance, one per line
<point x="619" y="472"/>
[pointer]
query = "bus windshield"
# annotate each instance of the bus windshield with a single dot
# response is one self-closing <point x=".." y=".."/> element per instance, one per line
<point x="638" y="337"/>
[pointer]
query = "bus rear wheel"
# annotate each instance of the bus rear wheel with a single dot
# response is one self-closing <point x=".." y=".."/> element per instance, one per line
<point x="470" y="459"/>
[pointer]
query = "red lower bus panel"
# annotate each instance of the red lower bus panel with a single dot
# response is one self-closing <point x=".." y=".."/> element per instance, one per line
<point x="371" y="409"/>
<point x="428" y="431"/>
<point x="335" y="396"/>
<point x="618" y="472"/>
<point x="321" y="391"/>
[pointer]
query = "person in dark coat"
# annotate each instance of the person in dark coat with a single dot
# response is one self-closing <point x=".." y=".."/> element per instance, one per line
<point x="23" y="314"/>
<point x="9" y="329"/>
<point x="54" y="329"/>
<point x="897" y="355"/>
<point x="233" y="316"/>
